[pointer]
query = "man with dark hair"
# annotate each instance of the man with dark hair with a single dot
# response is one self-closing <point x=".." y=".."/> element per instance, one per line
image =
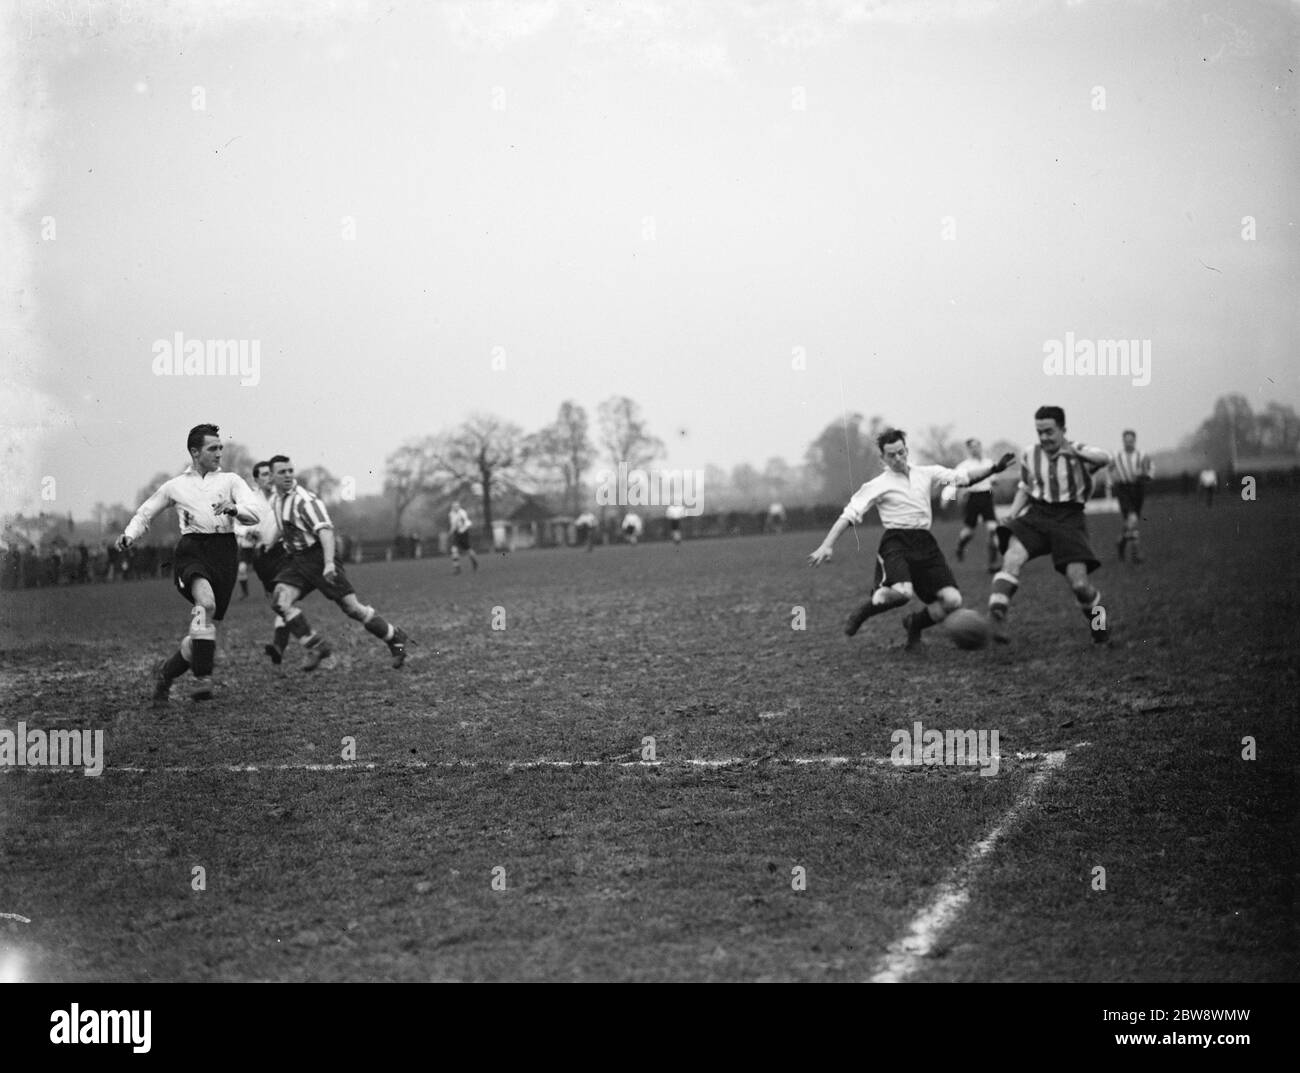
<point x="909" y="560"/>
<point x="308" y="536"/>
<point x="206" y="559"/>
<point x="1047" y="517"/>
<point x="1128" y="474"/>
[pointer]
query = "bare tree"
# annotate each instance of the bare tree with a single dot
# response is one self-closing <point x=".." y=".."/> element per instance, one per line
<point x="485" y="452"/>
<point x="321" y="481"/>
<point x="564" y="448"/>
<point x="624" y="436"/>
<point x="844" y="456"/>
<point x="409" y="473"/>
<point x="937" y="446"/>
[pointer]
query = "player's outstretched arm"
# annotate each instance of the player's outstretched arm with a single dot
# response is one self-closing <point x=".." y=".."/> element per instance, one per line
<point x="139" y="523"/>
<point x="822" y="553"/>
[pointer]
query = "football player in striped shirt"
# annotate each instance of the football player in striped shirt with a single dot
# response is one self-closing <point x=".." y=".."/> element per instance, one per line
<point x="1129" y="472"/>
<point x="308" y="536"/>
<point x="206" y="560"/>
<point x="909" y="560"/>
<point x="1047" y="518"/>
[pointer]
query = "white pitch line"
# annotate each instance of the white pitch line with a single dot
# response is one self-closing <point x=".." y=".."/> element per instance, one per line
<point x="513" y="765"/>
<point x="907" y="954"/>
<point x="15" y="916"/>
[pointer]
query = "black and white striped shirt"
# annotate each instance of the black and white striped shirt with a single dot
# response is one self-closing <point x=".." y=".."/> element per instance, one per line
<point x="1060" y="479"/>
<point x="302" y="516"/>
<point x="1128" y="467"/>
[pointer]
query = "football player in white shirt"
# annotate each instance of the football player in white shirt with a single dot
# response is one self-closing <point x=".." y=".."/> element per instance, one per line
<point x="909" y="560"/>
<point x="206" y="561"/>
<point x="979" y="505"/>
<point x="676" y="512"/>
<point x="461" y="528"/>
<point x="585" y="528"/>
<point x="632" y="526"/>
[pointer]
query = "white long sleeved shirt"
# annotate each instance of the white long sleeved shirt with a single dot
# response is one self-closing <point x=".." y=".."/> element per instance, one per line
<point x="194" y="498"/>
<point x="903" y="501"/>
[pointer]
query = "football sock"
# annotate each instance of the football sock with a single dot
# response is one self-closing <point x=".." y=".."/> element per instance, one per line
<point x="922" y="620"/>
<point x="203" y="644"/>
<point x="280" y="638"/>
<point x="296" y="623"/>
<point x="176" y="664"/>
<point x="962" y="541"/>
<point x="375" y="624"/>
<point x="205" y="655"/>
<point x="1004" y="588"/>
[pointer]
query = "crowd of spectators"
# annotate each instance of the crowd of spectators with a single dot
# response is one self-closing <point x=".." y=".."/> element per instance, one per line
<point x="25" y="566"/>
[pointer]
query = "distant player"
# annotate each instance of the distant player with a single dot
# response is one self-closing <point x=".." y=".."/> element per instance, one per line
<point x="308" y="536"/>
<point x="632" y="527"/>
<point x="1208" y="481"/>
<point x="775" y="518"/>
<point x="585" y="528"/>
<point x="1129" y="472"/>
<point x="979" y="504"/>
<point x="205" y="563"/>
<point x="909" y="561"/>
<point x="675" y="513"/>
<point x="461" y="527"/>
<point x="1047" y="518"/>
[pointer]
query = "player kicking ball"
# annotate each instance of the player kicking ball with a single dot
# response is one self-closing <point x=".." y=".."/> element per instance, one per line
<point x="308" y="536"/>
<point x="909" y="560"/>
<point x="205" y="563"/>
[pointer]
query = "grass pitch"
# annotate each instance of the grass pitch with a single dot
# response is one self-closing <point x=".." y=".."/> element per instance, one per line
<point x="458" y="847"/>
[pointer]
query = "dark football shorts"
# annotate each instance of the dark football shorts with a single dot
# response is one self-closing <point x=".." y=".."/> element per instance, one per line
<point x="1058" y="528"/>
<point x="978" y="505"/>
<point x="460" y="541"/>
<point x="212" y="556"/>
<point x="305" y="571"/>
<point x="675" y="524"/>
<point x="913" y="555"/>
<point x="1130" y="498"/>
<point x="246" y="554"/>
<point x="267" y="564"/>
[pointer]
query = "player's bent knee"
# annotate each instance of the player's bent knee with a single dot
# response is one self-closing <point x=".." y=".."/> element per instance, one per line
<point x="902" y="589"/>
<point x="950" y="599"/>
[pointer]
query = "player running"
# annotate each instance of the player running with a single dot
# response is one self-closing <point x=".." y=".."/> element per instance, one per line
<point x="584" y="526"/>
<point x="1128" y="474"/>
<point x="308" y="536"/>
<point x="632" y="527"/>
<point x="1047" y="517"/>
<point x="461" y="528"/>
<point x="979" y="504"/>
<point x="909" y="560"/>
<point x="206" y="560"/>
<point x="675" y="513"/>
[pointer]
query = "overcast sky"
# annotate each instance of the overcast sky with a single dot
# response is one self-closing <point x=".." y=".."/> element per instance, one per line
<point x="676" y="202"/>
